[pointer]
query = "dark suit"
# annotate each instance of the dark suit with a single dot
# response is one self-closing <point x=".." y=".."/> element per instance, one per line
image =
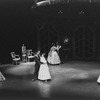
<point x="37" y="66"/>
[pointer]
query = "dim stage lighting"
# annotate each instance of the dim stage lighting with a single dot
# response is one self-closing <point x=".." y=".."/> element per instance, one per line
<point x="45" y="2"/>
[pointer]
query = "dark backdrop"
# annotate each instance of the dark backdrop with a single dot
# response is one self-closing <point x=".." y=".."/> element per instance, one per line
<point x="19" y="22"/>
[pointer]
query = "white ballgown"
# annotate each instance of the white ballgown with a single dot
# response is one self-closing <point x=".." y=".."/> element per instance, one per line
<point x="2" y="78"/>
<point x="98" y="80"/>
<point x="53" y="57"/>
<point x="44" y="73"/>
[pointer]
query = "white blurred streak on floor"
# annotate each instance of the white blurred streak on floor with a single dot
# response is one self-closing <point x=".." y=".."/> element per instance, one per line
<point x="22" y="69"/>
<point x="44" y="89"/>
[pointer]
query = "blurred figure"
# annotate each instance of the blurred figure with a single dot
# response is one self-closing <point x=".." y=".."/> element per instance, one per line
<point x="53" y="56"/>
<point x="37" y="65"/>
<point x="65" y="51"/>
<point x="2" y="78"/>
<point x="44" y="73"/>
<point x="58" y="50"/>
<point x="98" y="80"/>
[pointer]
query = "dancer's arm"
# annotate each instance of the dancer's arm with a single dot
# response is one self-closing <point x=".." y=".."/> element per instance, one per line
<point x="38" y="60"/>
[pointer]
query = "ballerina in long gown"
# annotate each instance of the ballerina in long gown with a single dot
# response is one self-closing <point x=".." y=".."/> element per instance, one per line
<point x="53" y="56"/>
<point x="44" y="73"/>
<point x="2" y="78"/>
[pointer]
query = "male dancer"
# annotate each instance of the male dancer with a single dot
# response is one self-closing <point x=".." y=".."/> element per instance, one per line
<point x="37" y="66"/>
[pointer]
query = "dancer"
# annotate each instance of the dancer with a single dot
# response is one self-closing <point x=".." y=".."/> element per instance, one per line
<point x="65" y="51"/>
<point x="44" y="73"/>
<point x="2" y="78"/>
<point x="37" y="65"/>
<point x="53" y="57"/>
<point x="98" y="80"/>
<point x="58" y="47"/>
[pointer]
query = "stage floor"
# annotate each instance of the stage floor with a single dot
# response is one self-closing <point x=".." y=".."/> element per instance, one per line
<point x="73" y="80"/>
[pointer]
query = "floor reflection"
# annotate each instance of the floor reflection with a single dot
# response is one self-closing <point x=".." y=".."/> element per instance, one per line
<point x="73" y="80"/>
<point x="44" y="89"/>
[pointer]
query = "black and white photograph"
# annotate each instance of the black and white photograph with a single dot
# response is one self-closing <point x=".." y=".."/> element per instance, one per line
<point x="49" y="49"/>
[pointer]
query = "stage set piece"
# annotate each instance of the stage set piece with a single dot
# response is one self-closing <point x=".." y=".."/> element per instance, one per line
<point x="27" y="56"/>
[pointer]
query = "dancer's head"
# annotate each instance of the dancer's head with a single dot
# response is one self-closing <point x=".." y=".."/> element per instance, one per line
<point x="53" y="44"/>
<point x="38" y="53"/>
<point x="43" y="54"/>
<point x="57" y="44"/>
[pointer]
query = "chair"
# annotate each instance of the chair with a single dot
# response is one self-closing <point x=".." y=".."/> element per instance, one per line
<point x="15" y="58"/>
<point x="30" y="55"/>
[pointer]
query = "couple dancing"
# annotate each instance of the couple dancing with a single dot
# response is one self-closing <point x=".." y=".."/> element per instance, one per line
<point x="54" y="55"/>
<point x="41" y="68"/>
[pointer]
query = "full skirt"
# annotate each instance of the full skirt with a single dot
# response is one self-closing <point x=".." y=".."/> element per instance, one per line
<point x="53" y="58"/>
<point x="98" y="80"/>
<point x="44" y="73"/>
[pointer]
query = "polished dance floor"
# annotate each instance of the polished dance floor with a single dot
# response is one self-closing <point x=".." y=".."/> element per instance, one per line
<point x="73" y="80"/>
